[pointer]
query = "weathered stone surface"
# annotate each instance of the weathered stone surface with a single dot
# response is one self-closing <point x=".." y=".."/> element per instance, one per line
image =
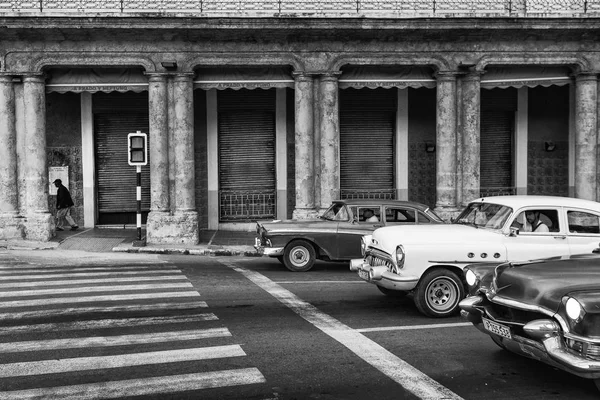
<point x="180" y="228"/>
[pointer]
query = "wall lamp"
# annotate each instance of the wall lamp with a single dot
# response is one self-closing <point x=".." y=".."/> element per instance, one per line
<point x="430" y="147"/>
<point x="549" y="146"/>
<point x="169" y="65"/>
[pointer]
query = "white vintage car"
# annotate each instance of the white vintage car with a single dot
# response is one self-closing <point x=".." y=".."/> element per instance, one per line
<point x="428" y="260"/>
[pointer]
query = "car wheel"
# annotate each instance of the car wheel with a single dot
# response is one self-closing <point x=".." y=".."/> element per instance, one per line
<point x="392" y="293"/>
<point x="439" y="293"/>
<point x="299" y="256"/>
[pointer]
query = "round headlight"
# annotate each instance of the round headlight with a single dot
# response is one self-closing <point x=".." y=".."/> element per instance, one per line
<point x="471" y="277"/>
<point x="399" y="256"/>
<point x="573" y="308"/>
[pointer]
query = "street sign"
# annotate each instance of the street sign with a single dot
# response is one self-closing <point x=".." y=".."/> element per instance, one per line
<point x="138" y="148"/>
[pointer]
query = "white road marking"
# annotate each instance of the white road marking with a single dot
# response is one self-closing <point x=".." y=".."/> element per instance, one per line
<point x="141" y="387"/>
<point x="86" y="274"/>
<point x="414" y="327"/>
<point x="107" y="341"/>
<point x="92" y="289"/>
<point x="108" y="323"/>
<point x="389" y="364"/>
<point x="87" y="299"/>
<point x="60" y="312"/>
<point x="5" y="271"/>
<point x="59" y="366"/>
<point x="318" y="282"/>
<point x="158" y="278"/>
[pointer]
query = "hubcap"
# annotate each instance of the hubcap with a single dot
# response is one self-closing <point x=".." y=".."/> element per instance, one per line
<point x="299" y="256"/>
<point x="442" y="294"/>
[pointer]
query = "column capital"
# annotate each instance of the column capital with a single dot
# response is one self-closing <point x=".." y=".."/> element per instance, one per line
<point x="157" y="76"/>
<point x="447" y="75"/>
<point x="330" y="75"/>
<point x="5" y="78"/>
<point x="303" y="76"/>
<point x="586" y="76"/>
<point x="35" y="77"/>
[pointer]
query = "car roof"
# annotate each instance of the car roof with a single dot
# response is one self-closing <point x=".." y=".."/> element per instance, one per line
<point x="387" y="202"/>
<point x="518" y="201"/>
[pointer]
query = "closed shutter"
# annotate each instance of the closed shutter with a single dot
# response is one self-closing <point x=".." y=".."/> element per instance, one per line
<point x="116" y="179"/>
<point x="496" y="147"/>
<point x="247" y="183"/>
<point x="367" y="122"/>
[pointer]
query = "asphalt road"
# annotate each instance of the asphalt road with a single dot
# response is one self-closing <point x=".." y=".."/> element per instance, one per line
<point x="191" y="327"/>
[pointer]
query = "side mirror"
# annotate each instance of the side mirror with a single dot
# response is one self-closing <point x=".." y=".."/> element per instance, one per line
<point x="513" y="231"/>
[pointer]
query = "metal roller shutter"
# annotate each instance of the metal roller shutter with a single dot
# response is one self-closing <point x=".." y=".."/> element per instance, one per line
<point x="247" y="183"/>
<point x="116" y="179"/>
<point x="367" y="125"/>
<point x="496" y="147"/>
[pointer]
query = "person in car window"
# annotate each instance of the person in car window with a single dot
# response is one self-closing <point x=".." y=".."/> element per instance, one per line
<point x="369" y="216"/>
<point x="534" y="224"/>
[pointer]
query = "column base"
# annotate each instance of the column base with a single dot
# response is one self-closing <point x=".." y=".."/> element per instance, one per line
<point x="305" y="213"/>
<point x="447" y="212"/>
<point x="164" y="228"/>
<point x="38" y="227"/>
<point x="11" y="227"/>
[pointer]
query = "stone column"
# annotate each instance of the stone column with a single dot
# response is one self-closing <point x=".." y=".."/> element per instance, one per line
<point x="330" y="139"/>
<point x="9" y="224"/>
<point x="186" y="216"/>
<point x="470" y="104"/>
<point x="586" y="136"/>
<point x="39" y="223"/>
<point x="305" y="170"/>
<point x="158" y="114"/>
<point x="446" y="144"/>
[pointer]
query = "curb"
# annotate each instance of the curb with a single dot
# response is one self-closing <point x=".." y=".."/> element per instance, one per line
<point x="194" y="252"/>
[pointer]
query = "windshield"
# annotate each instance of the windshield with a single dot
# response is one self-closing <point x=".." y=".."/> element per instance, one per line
<point x="337" y="212"/>
<point x="484" y="215"/>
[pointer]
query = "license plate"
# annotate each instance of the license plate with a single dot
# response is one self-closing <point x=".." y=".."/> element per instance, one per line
<point x="363" y="274"/>
<point x="498" y="329"/>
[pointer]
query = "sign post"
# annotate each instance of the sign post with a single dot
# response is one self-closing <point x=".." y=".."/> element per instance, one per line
<point x="138" y="156"/>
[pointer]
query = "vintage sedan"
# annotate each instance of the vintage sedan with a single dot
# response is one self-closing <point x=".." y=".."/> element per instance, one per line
<point x="335" y="235"/>
<point x="428" y="261"/>
<point x="547" y="310"/>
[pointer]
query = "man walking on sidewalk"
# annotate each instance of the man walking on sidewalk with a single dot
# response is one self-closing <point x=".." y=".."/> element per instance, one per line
<point x="64" y="202"/>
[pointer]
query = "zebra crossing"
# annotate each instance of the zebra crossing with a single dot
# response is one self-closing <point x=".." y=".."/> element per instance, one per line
<point x="103" y="331"/>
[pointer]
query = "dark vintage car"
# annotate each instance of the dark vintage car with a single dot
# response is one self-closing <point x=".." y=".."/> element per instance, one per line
<point x="547" y="310"/>
<point x="335" y="235"/>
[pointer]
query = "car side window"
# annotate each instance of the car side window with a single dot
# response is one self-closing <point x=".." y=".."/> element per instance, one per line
<point x="424" y="219"/>
<point x="537" y="221"/>
<point x="582" y="222"/>
<point x="395" y="215"/>
<point x="369" y="214"/>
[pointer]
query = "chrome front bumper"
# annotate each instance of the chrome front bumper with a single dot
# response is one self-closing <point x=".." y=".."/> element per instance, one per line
<point x="380" y="276"/>
<point x="267" y="251"/>
<point x="549" y="347"/>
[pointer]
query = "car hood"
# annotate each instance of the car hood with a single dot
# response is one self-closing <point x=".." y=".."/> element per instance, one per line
<point x="545" y="283"/>
<point x="387" y="238"/>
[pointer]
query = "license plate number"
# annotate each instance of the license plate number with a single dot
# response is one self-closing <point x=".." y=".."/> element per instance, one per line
<point x="498" y="329"/>
<point x="363" y="274"/>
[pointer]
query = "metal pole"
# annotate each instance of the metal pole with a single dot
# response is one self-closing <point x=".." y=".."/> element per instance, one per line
<point x="139" y="201"/>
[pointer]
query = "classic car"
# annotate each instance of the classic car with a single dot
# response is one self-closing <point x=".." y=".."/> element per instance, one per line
<point x="428" y="261"/>
<point x="547" y="310"/>
<point x="336" y="234"/>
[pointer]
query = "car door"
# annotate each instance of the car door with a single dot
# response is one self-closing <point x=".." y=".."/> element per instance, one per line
<point x="583" y="228"/>
<point x="533" y="245"/>
<point x="350" y="233"/>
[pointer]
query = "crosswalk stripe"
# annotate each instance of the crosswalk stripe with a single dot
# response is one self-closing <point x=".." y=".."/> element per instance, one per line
<point x="16" y="271"/>
<point x="86" y="299"/>
<point x="92" y="289"/>
<point x="87" y="274"/>
<point x="141" y="387"/>
<point x="107" y="341"/>
<point x="108" y="323"/>
<point x="86" y="281"/>
<point x="61" y="312"/>
<point x="64" y="365"/>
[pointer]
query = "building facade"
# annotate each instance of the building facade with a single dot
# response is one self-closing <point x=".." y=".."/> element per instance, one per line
<point x="272" y="109"/>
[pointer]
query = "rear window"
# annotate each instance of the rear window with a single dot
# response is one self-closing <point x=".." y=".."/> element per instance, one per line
<point x="582" y="222"/>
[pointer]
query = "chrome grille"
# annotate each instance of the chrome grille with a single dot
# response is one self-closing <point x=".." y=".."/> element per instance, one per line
<point x="587" y="350"/>
<point x="375" y="261"/>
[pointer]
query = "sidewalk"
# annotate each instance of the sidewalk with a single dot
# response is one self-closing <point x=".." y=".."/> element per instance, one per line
<point x="211" y="243"/>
